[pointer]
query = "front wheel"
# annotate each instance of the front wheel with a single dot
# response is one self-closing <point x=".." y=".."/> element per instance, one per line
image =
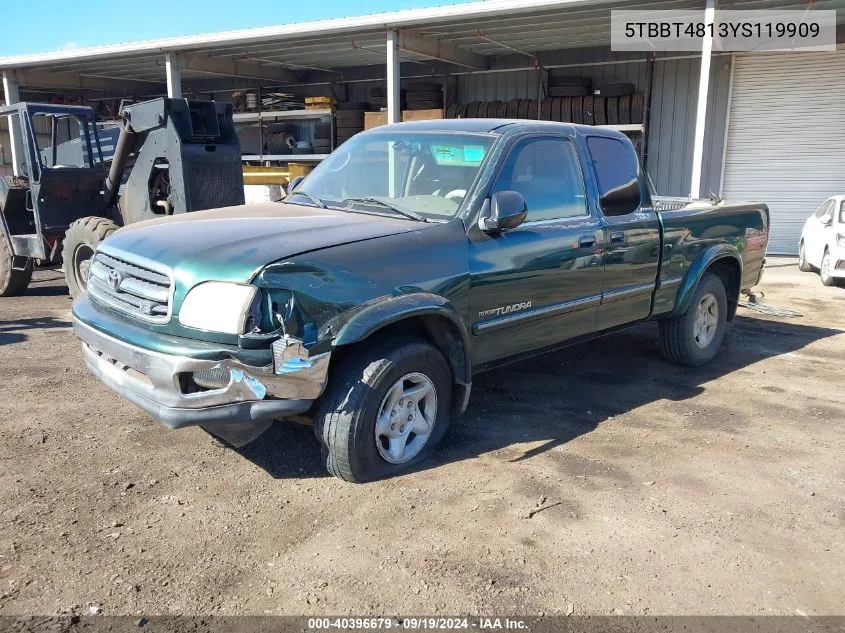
<point x="693" y="338"/>
<point x="81" y="240"/>
<point x="824" y="271"/>
<point x="384" y="410"/>
<point x="803" y="265"/>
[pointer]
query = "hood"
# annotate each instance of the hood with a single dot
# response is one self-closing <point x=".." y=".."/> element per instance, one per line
<point x="235" y="243"/>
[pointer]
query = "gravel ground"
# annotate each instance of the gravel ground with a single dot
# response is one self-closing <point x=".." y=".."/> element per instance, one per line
<point x="595" y="480"/>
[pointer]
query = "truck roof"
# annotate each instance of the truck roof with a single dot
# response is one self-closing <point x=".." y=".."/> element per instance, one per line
<point x="497" y="126"/>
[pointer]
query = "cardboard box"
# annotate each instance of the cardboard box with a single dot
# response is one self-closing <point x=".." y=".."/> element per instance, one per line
<point x="375" y="119"/>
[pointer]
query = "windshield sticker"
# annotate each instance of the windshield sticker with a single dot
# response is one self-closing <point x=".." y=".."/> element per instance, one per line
<point x="462" y="155"/>
<point x="474" y="154"/>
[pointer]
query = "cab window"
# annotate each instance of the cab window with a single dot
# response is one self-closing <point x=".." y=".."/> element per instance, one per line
<point x="842" y="212"/>
<point x="615" y="163"/>
<point x="546" y="172"/>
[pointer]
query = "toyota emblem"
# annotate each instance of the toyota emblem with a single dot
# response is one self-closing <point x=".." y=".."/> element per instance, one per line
<point x="114" y="279"/>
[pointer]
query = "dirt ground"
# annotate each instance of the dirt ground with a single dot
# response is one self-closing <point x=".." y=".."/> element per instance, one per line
<point x="662" y="490"/>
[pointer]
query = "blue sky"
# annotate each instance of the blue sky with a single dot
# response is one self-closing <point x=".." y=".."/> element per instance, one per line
<point x="50" y="25"/>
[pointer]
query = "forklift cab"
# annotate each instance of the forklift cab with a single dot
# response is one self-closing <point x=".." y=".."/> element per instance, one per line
<point x="58" y="176"/>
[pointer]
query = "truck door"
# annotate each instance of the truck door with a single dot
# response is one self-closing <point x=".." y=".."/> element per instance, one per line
<point x="631" y="238"/>
<point x="539" y="284"/>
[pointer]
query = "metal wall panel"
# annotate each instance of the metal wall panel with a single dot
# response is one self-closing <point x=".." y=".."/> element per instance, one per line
<point x="785" y="137"/>
<point x="672" y="124"/>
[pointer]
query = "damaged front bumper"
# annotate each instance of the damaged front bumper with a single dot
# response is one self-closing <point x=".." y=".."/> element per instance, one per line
<point x="220" y="394"/>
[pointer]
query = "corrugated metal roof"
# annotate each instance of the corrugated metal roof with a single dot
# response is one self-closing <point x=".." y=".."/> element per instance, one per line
<point x="491" y="27"/>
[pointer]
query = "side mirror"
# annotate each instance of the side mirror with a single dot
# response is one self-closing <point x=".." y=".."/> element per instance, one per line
<point x="622" y="200"/>
<point x="504" y="211"/>
<point x="295" y="183"/>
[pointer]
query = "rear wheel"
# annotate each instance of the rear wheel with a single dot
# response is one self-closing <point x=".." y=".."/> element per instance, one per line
<point x="81" y="240"/>
<point x="13" y="281"/>
<point x="803" y="265"/>
<point x="385" y="410"/>
<point x="693" y="338"/>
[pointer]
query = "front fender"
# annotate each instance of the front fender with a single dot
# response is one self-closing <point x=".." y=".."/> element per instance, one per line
<point x="697" y="269"/>
<point x="388" y="310"/>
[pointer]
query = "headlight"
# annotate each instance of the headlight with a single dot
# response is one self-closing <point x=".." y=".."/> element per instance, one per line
<point x="217" y="306"/>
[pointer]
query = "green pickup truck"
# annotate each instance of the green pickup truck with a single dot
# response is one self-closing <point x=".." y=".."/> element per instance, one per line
<point x="414" y="257"/>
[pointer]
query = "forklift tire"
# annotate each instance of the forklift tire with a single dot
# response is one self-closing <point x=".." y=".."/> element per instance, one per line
<point x="13" y="281"/>
<point x="81" y="240"/>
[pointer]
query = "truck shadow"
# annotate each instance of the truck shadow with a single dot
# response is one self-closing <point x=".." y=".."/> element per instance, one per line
<point x="14" y="331"/>
<point x="557" y="397"/>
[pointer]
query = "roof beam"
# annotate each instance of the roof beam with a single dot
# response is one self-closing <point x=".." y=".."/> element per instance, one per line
<point x="42" y="79"/>
<point x="233" y="68"/>
<point x="434" y="48"/>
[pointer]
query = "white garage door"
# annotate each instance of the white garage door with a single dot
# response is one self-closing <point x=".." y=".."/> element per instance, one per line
<point x="786" y="137"/>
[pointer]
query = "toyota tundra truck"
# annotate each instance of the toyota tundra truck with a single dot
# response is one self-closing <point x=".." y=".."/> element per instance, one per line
<point x="414" y="257"/>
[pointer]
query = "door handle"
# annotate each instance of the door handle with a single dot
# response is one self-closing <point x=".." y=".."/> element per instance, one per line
<point x="617" y="238"/>
<point x="587" y="241"/>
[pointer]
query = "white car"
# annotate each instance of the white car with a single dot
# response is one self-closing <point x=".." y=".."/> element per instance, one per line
<point x="822" y="244"/>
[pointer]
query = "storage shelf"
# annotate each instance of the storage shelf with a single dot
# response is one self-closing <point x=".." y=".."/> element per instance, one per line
<point x="292" y="158"/>
<point x="280" y="115"/>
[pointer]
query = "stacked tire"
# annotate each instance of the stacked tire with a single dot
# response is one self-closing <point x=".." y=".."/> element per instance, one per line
<point x="349" y="118"/>
<point x="588" y="109"/>
<point x="563" y="86"/>
<point x="424" y="95"/>
<point x="378" y="98"/>
<point x="613" y="104"/>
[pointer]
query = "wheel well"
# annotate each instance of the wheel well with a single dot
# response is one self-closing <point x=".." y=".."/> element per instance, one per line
<point x="437" y="330"/>
<point x="729" y="271"/>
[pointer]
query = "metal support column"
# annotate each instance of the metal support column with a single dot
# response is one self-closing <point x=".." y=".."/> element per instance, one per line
<point x="394" y="97"/>
<point x="13" y="95"/>
<point x="174" y="76"/>
<point x="701" y="111"/>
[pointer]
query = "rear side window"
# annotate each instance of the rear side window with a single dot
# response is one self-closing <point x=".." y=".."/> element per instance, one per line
<point x="842" y="212"/>
<point x="546" y="172"/>
<point x="615" y="164"/>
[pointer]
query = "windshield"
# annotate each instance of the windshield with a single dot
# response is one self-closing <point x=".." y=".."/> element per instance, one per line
<point x="423" y="176"/>
<point x="64" y="140"/>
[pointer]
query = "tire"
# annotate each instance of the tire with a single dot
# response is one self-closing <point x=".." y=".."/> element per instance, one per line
<point x="824" y="271"/>
<point x="424" y="95"/>
<point x="678" y="342"/>
<point x="803" y="265"/>
<point x="637" y="108"/>
<point x="81" y="240"/>
<point x="625" y="110"/>
<point x="612" y="109"/>
<point x="345" y="422"/>
<point x="13" y="282"/>
<point x="600" y="110"/>
<point x="568" y="91"/>
<point x="588" y="105"/>
<point x="425" y="86"/>
<point x="576" y="109"/>
<point x="615" y="90"/>
<point x="351" y="105"/>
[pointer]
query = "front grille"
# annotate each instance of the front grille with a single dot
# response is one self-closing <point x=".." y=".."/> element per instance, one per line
<point x="130" y="287"/>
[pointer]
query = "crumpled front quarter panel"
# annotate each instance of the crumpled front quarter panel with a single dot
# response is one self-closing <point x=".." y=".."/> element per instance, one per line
<point x="322" y="291"/>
